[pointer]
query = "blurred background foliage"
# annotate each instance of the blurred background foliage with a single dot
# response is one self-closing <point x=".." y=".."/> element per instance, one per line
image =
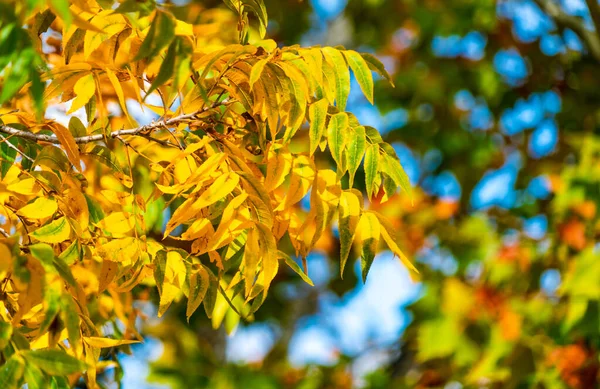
<point x="494" y="117"/>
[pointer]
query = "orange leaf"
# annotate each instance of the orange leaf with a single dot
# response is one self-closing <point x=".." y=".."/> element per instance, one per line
<point x="68" y="142"/>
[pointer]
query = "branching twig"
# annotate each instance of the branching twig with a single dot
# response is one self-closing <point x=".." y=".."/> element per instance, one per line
<point x="5" y="140"/>
<point x="564" y="20"/>
<point x="142" y="131"/>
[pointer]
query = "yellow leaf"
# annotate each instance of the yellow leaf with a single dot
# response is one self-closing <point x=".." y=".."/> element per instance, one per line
<point x="118" y="198"/>
<point x="220" y="188"/>
<point x="317" y="113"/>
<point x="233" y="222"/>
<point x="362" y="73"/>
<point x="183" y="28"/>
<point x="268" y="253"/>
<point x="27" y="186"/>
<point x="314" y="59"/>
<point x="67" y="141"/>
<point x="108" y="22"/>
<point x="174" y="278"/>
<point x="118" y="223"/>
<point x="108" y="271"/>
<point x="55" y="232"/>
<point x="369" y="231"/>
<point x="303" y="175"/>
<point x="41" y="208"/>
<point x="6" y="264"/>
<point x="96" y="341"/>
<point x="341" y="75"/>
<point x="199" y="282"/>
<point x="251" y="259"/>
<point x="44" y="340"/>
<point x="75" y="206"/>
<point x="199" y="228"/>
<point x="279" y="163"/>
<point x="119" y="92"/>
<point x="184" y="169"/>
<point x="84" y="89"/>
<point x="125" y="250"/>
<point x="257" y="70"/>
<point x="389" y="235"/>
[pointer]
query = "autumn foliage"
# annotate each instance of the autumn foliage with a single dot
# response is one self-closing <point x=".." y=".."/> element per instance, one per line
<point x="203" y="202"/>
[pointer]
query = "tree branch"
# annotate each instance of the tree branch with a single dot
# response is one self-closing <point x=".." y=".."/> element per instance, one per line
<point x="141" y="131"/>
<point x="594" y="8"/>
<point x="564" y="20"/>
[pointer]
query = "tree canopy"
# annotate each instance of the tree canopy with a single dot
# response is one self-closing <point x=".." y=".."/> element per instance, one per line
<point x="203" y="202"/>
<point x="175" y="154"/>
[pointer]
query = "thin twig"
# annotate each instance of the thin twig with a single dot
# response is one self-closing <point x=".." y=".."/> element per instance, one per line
<point x="142" y="131"/>
<point x="4" y="233"/>
<point x="564" y="20"/>
<point x="5" y="140"/>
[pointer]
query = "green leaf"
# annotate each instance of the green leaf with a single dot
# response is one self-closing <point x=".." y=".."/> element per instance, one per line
<point x="7" y="155"/>
<point x="6" y="331"/>
<point x="362" y="73"/>
<point x="96" y="213"/>
<point x="36" y="90"/>
<point x="54" y="362"/>
<point x="54" y="158"/>
<point x="356" y="144"/>
<point x="61" y="7"/>
<point x="161" y="33"/>
<point x="257" y="70"/>
<point x="342" y="76"/>
<point x="43" y="20"/>
<point x="370" y="231"/>
<point x="377" y="66"/>
<point x="373" y="136"/>
<point x="371" y="168"/>
<point x="51" y="308"/>
<point x="17" y="74"/>
<point x="143" y="7"/>
<point x="74" y="44"/>
<point x="166" y="68"/>
<point x="70" y="318"/>
<point x="210" y="297"/>
<point x="259" y="9"/>
<point x="64" y="270"/>
<point x="43" y="252"/>
<point x="317" y="113"/>
<point x="90" y="109"/>
<point x="76" y="127"/>
<point x="35" y="378"/>
<point x="59" y="383"/>
<point x="335" y="136"/>
<point x="56" y="231"/>
<point x="71" y="254"/>
<point x="105" y="156"/>
<point x="295" y="267"/>
<point x="11" y="372"/>
<point x="350" y="208"/>
<point x="199" y="282"/>
<point x="160" y="267"/>
<point x="392" y="167"/>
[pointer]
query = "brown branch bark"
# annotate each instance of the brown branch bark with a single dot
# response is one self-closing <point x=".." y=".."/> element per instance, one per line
<point x="142" y="131"/>
<point x="564" y="20"/>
